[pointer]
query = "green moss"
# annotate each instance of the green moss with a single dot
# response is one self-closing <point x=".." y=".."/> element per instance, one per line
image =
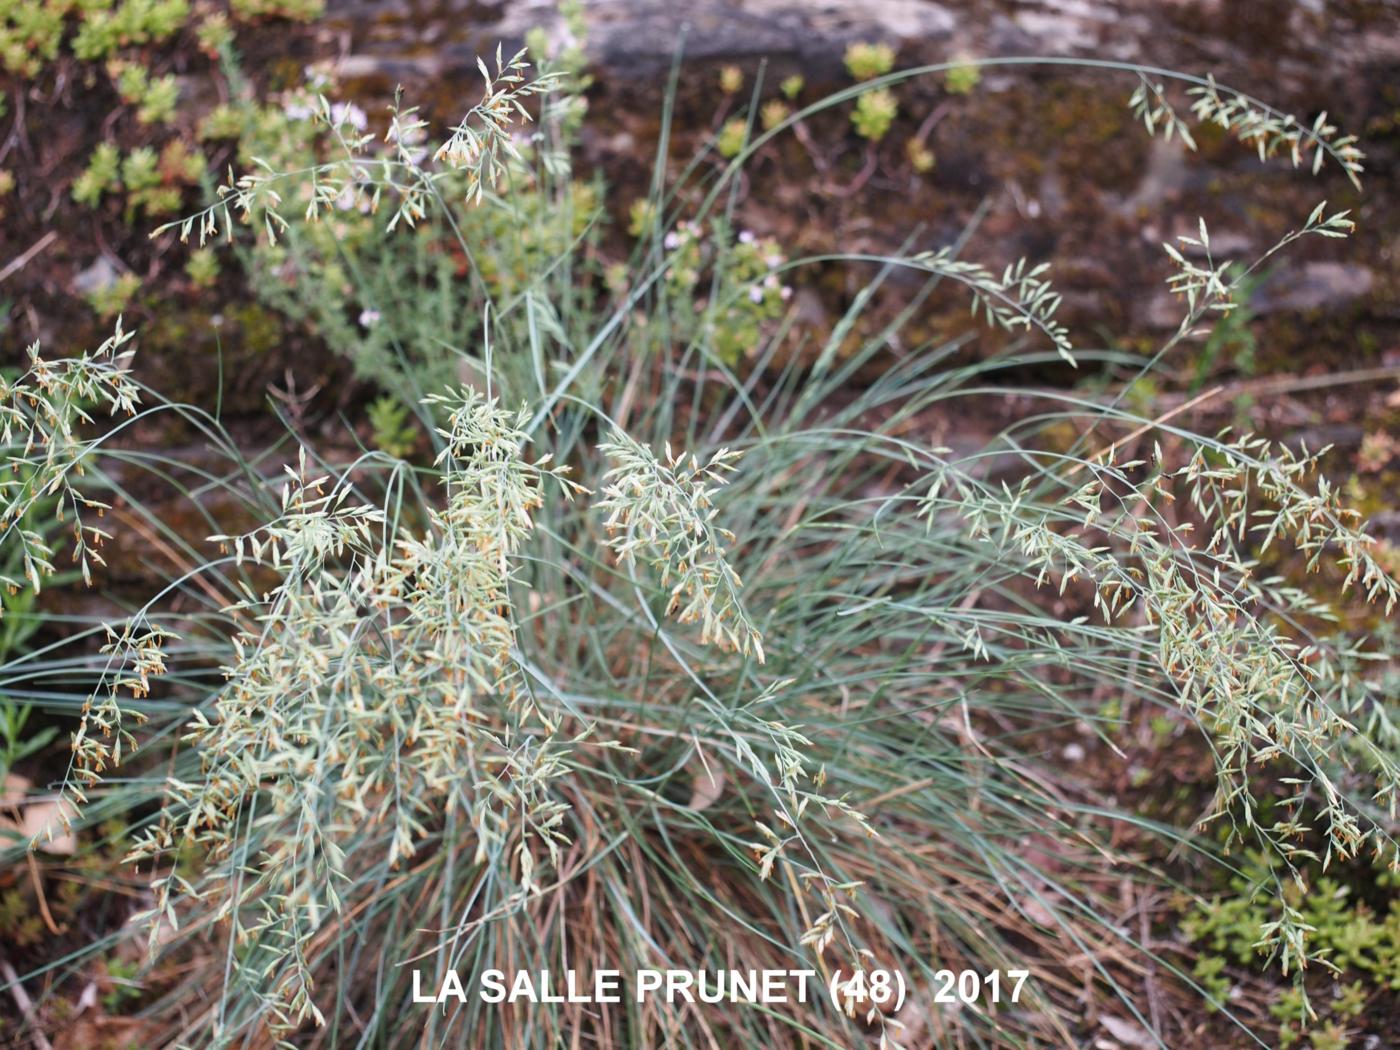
<point x="139" y="170"/>
<point x="106" y="28"/>
<point x="641" y="217"/>
<point x="148" y="188"/>
<point x="920" y="157"/>
<point x="1074" y="129"/>
<point x="181" y="164"/>
<point x="261" y="330"/>
<point x="296" y="10"/>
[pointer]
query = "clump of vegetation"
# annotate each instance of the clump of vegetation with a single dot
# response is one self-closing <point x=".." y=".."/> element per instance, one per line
<point x="125" y="986"/>
<point x="1359" y="951"/>
<point x="874" y="114"/>
<point x="732" y="137"/>
<point x="215" y="34"/>
<point x="875" y="109"/>
<point x="737" y="287"/>
<point x="867" y="61"/>
<point x="142" y="180"/>
<point x="387" y="303"/>
<point x="202" y="268"/>
<point x="153" y="183"/>
<point x="679" y="642"/>
<point x="963" y="78"/>
<point x="126" y="82"/>
<point x="102" y="175"/>
<point x="108" y="27"/>
<point x="32" y="32"/>
<point x="154" y="99"/>
<point x="774" y="112"/>
<point x="223" y="122"/>
<point x="921" y="158"/>
<point x="29" y="35"/>
<point x="392" y="426"/>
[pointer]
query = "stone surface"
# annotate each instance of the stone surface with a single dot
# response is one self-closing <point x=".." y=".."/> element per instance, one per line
<point x="636" y="37"/>
<point x="97" y="277"/>
<point x="1314" y="286"/>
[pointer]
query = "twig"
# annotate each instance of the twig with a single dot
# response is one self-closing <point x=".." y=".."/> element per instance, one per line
<point x="179" y="561"/>
<point x="21" y="261"/>
<point x="54" y="928"/>
<point x="804" y="139"/>
<point x="1296" y="384"/>
<point x="1108" y="449"/>
<point x="862" y="177"/>
<point x="25" y="1004"/>
<point x="1183" y="407"/>
<point x="1274" y="385"/>
<point x="930" y="122"/>
<point x="1149" y="979"/>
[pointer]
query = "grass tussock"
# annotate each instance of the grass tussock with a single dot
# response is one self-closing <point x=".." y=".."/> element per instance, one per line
<point x="667" y="655"/>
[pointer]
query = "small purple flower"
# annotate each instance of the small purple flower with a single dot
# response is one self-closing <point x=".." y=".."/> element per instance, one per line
<point x="349" y="113"/>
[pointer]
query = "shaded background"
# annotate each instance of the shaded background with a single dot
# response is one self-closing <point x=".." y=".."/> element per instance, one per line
<point x="1050" y="156"/>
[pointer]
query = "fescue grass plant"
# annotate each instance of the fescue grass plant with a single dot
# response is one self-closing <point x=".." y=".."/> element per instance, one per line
<point x="668" y="656"/>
